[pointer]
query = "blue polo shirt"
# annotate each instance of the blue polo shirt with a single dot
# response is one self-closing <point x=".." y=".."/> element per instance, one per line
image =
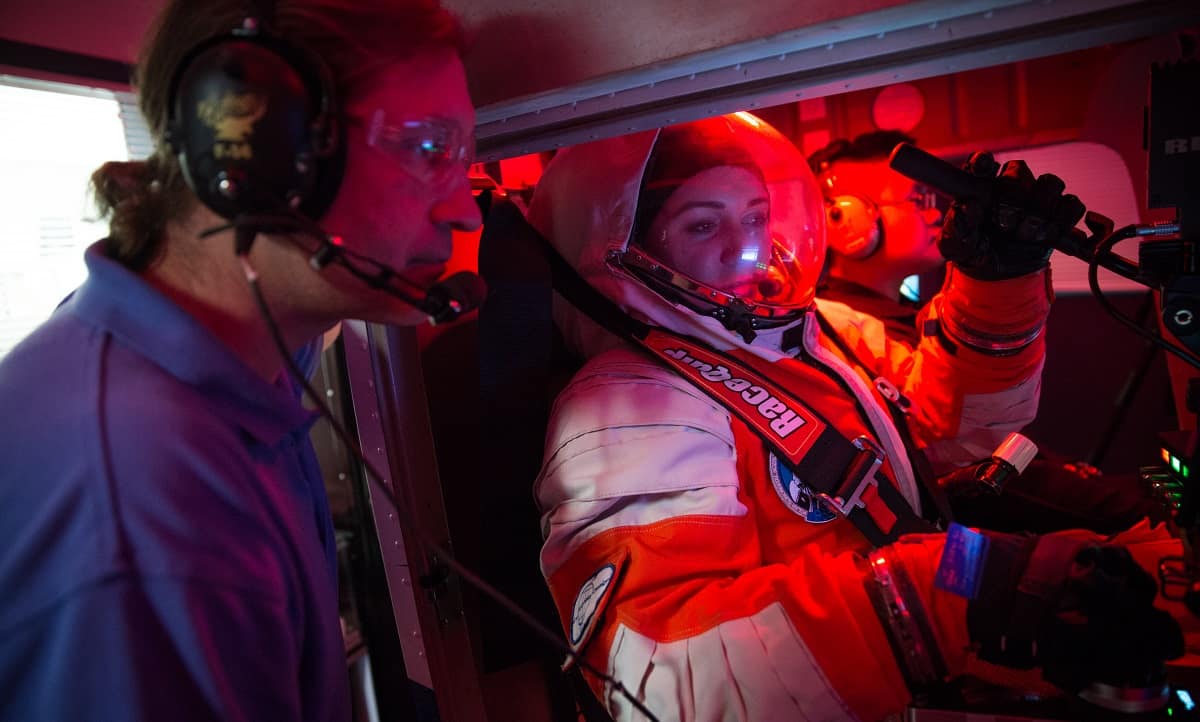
<point x="166" y="548"/>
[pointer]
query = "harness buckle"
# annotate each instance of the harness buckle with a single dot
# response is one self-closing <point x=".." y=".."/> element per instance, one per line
<point x="859" y="478"/>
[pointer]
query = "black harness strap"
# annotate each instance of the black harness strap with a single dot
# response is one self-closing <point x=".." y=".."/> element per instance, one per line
<point x="899" y="407"/>
<point x="843" y="472"/>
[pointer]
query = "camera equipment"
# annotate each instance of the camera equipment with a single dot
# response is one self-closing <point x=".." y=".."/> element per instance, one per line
<point x="1167" y="262"/>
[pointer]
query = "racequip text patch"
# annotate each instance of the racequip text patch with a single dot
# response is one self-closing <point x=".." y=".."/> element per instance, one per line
<point x="773" y="412"/>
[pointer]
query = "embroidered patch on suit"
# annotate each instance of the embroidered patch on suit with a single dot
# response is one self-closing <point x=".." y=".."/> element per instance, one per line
<point x="591" y="597"/>
<point x="797" y="495"/>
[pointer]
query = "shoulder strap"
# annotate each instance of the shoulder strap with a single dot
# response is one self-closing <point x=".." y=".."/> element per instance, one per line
<point x="844" y="472"/>
<point x="899" y="407"/>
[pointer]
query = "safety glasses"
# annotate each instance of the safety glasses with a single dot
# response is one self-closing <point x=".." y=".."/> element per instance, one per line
<point x="881" y="189"/>
<point x="922" y="197"/>
<point x="433" y="150"/>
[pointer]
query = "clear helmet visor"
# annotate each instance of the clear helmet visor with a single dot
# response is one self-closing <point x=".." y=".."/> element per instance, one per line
<point x="729" y="209"/>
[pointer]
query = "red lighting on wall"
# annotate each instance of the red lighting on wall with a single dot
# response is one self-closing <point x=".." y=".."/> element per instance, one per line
<point x="898" y="107"/>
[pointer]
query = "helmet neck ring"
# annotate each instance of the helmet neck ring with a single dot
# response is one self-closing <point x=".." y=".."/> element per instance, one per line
<point x="735" y="314"/>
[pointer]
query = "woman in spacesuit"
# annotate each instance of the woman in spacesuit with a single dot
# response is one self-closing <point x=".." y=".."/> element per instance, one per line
<point x="732" y="504"/>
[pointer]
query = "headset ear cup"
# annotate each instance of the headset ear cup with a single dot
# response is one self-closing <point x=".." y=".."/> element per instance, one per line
<point x="251" y="121"/>
<point x="853" y="227"/>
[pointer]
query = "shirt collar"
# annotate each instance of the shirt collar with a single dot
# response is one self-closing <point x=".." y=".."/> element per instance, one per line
<point x="140" y="318"/>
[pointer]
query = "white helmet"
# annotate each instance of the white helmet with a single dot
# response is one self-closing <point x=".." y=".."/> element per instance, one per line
<point x="720" y="219"/>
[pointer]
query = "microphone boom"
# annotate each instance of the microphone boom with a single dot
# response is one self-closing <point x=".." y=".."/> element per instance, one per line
<point x="451" y="297"/>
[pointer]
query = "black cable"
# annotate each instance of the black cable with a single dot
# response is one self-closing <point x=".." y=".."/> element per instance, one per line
<point x="1128" y="391"/>
<point x="1094" y="283"/>
<point x="382" y="277"/>
<point x="403" y="512"/>
<point x="922" y="471"/>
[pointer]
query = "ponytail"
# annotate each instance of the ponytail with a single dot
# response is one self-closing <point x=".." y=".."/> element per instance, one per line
<point x="139" y="198"/>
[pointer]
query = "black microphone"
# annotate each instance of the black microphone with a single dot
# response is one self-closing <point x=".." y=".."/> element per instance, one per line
<point x="949" y="180"/>
<point x="943" y="177"/>
<point x="445" y="301"/>
<point x="451" y="297"/>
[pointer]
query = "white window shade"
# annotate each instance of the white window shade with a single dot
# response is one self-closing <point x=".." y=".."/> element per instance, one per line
<point x="52" y="137"/>
<point x="137" y="133"/>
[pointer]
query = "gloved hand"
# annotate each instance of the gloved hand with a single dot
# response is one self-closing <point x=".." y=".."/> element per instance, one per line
<point x="1013" y="232"/>
<point x="1083" y="612"/>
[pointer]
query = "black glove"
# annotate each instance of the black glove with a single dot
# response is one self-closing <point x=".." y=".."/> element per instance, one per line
<point x="1013" y="232"/>
<point x="1082" y="612"/>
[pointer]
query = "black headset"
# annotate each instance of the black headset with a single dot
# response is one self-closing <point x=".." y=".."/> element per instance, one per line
<point x="853" y="226"/>
<point x="256" y="127"/>
<point x="255" y="124"/>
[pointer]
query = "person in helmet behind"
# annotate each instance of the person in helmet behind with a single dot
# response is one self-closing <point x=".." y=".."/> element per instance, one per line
<point x="689" y="547"/>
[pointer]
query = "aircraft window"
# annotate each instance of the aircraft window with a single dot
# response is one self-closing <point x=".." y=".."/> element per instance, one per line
<point x="52" y="136"/>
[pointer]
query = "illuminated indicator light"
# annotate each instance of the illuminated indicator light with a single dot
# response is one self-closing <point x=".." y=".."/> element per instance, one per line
<point x="880" y="561"/>
<point x="1166" y="456"/>
<point x="1175" y="463"/>
<point x="1184" y="471"/>
<point x="1186" y="698"/>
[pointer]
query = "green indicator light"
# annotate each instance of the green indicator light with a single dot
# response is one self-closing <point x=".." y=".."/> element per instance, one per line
<point x="1175" y="463"/>
<point x="1184" y="471"/>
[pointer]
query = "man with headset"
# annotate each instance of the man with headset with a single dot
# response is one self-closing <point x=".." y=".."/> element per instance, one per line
<point x="868" y="202"/>
<point x="881" y="228"/>
<point x="169" y="552"/>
